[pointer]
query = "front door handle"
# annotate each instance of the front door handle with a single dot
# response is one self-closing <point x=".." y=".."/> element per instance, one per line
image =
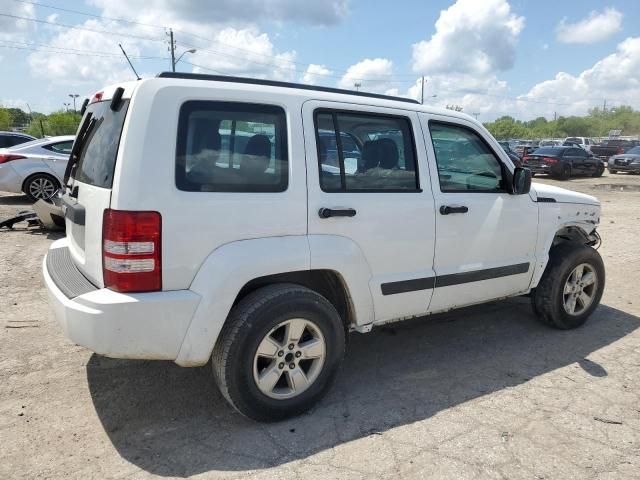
<point x="339" y="212"/>
<point x="448" y="209"/>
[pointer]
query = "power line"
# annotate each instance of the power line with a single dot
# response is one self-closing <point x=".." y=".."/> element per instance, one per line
<point x="78" y="12"/>
<point x="73" y="27"/>
<point x="71" y="51"/>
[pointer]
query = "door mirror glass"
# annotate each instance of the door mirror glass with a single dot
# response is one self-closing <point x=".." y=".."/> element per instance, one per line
<point x="521" y="181"/>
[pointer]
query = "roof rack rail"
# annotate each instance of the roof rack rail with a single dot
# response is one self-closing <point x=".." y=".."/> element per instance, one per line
<point x="275" y="83"/>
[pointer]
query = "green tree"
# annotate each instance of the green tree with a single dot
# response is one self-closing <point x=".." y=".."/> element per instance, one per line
<point x="5" y="119"/>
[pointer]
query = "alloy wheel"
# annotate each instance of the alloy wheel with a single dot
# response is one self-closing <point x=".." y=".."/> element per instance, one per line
<point x="580" y="289"/>
<point x="289" y="359"/>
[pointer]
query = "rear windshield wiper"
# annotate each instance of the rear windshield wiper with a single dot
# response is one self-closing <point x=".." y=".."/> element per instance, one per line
<point x="83" y="134"/>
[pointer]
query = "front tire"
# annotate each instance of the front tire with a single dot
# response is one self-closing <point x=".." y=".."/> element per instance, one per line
<point x="571" y="286"/>
<point x="279" y="352"/>
<point x="40" y="186"/>
<point x="599" y="172"/>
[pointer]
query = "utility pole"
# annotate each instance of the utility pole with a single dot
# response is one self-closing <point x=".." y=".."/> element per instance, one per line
<point x="604" y="106"/>
<point x="475" y="114"/>
<point x="555" y="116"/>
<point x="422" y="91"/>
<point x="172" y="48"/>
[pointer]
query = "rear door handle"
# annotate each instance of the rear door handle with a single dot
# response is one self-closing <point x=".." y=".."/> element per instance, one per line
<point x="448" y="209"/>
<point x="339" y="212"/>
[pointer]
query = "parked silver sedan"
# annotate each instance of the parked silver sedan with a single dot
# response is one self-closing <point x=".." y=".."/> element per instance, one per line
<point x="35" y="168"/>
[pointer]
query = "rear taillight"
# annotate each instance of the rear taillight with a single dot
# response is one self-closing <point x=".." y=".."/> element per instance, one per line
<point x="131" y="251"/>
<point x="6" y="157"/>
<point x="526" y="159"/>
<point x="550" y="160"/>
<point x="619" y="151"/>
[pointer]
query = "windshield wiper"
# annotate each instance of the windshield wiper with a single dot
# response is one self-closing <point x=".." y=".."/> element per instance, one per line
<point x="83" y="134"/>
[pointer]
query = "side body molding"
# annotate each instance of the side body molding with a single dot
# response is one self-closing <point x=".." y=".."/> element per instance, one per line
<point x="223" y="274"/>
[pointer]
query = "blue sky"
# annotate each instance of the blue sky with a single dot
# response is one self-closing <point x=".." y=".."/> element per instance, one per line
<point x="492" y="57"/>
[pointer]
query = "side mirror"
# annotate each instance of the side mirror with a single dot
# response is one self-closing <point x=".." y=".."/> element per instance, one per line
<point x="521" y="181"/>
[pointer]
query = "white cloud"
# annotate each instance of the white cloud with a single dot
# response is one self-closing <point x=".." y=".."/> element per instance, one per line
<point x="99" y="69"/>
<point x="374" y="75"/>
<point x="245" y="52"/>
<point x="593" y="29"/>
<point x="475" y="37"/>
<point x="319" y="12"/>
<point x="12" y="28"/>
<point x="315" y="74"/>
<point x="616" y="77"/>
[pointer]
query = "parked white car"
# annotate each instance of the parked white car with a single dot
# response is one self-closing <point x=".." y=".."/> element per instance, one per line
<point x="583" y="142"/>
<point x="203" y="224"/>
<point x="35" y="168"/>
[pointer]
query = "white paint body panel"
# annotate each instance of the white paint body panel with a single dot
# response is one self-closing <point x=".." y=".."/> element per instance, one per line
<point x="499" y="230"/>
<point x="394" y="231"/>
<point x="140" y="325"/>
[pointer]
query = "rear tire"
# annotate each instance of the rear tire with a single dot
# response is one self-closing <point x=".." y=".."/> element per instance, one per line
<point x="40" y="186"/>
<point x="574" y="277"/>
<point x="599" y="172"/>
<point x="269" y="335"/>
<point x="565" y="174"/>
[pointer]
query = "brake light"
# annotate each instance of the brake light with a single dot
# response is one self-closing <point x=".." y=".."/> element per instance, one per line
<point x="549" y="160"/>
<point x="526" y="159"/>
<point x="7" y="157"/>
<point x="96" y="97"/>
<point x="131" y="251"/>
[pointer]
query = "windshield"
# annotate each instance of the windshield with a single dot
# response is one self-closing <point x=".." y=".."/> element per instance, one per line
<point x="634" y="151"/>
<point x="99" y="144"/>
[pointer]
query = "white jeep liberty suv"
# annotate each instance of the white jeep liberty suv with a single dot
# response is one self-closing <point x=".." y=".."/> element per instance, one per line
<point x="255" y="223"/>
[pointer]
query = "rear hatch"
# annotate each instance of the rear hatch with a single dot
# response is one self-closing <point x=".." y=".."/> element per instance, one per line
<point x="89" y="180"/>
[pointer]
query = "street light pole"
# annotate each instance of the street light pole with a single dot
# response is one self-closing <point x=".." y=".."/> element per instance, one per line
<point x="357" y="85"/>
<point x="66" y="106"/>
<point x="422" y="91"/>
<point x="191" y="50"/>
<point x="74" y="96"/>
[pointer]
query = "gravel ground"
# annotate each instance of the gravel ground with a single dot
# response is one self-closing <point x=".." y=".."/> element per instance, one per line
<point x="486" y="392"/>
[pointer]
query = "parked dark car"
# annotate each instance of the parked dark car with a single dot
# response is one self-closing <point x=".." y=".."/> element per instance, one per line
<point x="515" y="158"/>
<point x="11" y="139"/>
<point x="563" y="162"/>
<point x="609" y="148"/>
<point x="627" y="162"/>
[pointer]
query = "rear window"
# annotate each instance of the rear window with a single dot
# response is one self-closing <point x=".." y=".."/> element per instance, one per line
<point x="97" y="159"/>
<point x="231" y="147"/>
<point x="574" y="140"/>
<point x="548" y="151"/>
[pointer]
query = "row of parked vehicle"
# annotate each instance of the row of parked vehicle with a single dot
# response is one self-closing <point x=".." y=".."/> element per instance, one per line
<point x="33" y="166"/>
<point x="575" y="156"/>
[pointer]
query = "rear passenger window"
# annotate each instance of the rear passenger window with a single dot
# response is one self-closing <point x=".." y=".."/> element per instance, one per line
<point x="231" y="147"/>
<point x="365" y="152"/>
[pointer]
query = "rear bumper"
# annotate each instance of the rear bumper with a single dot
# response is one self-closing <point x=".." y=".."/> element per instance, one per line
<point x="10" y="181"/>
<point x="138" y="326"/>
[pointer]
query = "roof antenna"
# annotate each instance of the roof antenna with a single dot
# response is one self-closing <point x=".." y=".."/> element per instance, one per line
<point x="130" y="64"/>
